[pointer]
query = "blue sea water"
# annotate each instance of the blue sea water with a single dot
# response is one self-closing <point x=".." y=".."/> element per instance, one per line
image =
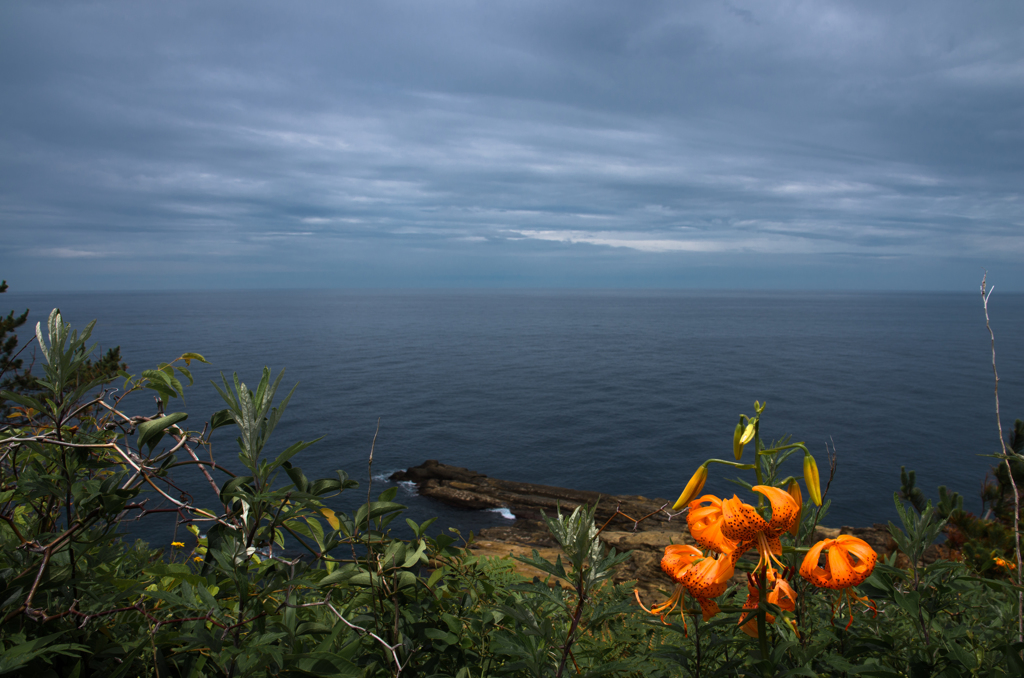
<point x="622" y="392"/>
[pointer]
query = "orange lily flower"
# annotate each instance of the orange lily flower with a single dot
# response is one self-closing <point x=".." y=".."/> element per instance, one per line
<point x="708" y="579"/>
<point x="677" y="558"/>
<point x="704" y="578"/>
<point x="1005" y="564"/>
<point x="742" y="523"/>
<point x="840" y="572"/>
<point x="781" y="594"/>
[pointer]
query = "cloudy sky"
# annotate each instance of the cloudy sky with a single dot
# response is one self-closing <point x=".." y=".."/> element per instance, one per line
<point x="740" y="144"/>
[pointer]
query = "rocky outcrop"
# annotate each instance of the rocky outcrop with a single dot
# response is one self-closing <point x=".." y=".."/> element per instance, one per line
<point x="472" y="490"/>
<point x="619" y="514"/>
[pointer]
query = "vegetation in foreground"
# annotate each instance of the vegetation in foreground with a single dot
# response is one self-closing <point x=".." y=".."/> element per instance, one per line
<point x="271" y="581"/>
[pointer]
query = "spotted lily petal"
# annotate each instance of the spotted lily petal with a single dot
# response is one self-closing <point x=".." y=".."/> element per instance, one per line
<point x="741" y="522"/>
<point x="785" y="510"/>
<point x="677" y="558"/>
<point x="708" y="578"/>
<point x="705" y="520"/>
<point x="782" y="594"/>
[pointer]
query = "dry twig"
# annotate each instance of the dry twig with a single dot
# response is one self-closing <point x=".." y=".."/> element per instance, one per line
<point x="1009" y="469"/>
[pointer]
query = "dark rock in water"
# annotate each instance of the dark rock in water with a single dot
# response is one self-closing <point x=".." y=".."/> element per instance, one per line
<point x="647" y="538"/>
<point x="468" y="489"/>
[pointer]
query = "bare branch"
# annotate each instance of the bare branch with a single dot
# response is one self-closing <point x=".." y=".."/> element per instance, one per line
<point x="1009" y="468"/>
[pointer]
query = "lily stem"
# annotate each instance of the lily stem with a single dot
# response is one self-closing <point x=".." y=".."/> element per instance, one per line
<point x="762" y="626"/>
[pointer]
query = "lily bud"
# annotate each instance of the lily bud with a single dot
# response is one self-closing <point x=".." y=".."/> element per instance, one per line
<point x="794" y="491"/>
<point x="737" y="447"/>
<point x="748" y="433"/>
<point x="693" y="487"/>
<point x="811" y="479"/>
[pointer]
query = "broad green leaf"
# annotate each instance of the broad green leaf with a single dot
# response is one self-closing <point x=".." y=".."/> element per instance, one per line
<point x="151" y="431"/>
<point x="221" y="418"/>
<point x="375" y="509"/>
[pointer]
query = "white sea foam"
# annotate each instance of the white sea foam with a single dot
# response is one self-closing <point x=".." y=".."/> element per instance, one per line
<point x="503" y="512"/>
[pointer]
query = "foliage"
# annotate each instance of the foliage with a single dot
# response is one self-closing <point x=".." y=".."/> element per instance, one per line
<point x="15" y="376"/>
<point x="979" y="541"/>
<point x="12" y="376"/>
<point x="273" y="579"/>
<point x="999" y="494"/>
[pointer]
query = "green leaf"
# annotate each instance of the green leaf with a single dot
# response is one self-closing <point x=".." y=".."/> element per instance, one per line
<point x="23" y="400"/>
<point x="910" y="602"/>
<point x="405" y="578"/>
<point x="439" y="636"/>
<point x="365" y="579"/>
<point x="221" y="418"/>
<point x="232" y="486"/>
<point x="338" y="576"/>
<point x="188" y="375"/>
<point x="160" y="382"/>
<point x="291" y="451"/>
<point x="297" y="477"/>
<point x="151" y="431"/>
<point x="961" y="655"/>
<point x="325" y="485"/>
<point x="375" y="509"/>
<point x="416" y="557"/>
<point x="20" y="654"/>
<point x="435" y="576"/>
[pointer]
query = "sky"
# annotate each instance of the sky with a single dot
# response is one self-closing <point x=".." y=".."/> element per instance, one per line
<point x="738" y="145"/>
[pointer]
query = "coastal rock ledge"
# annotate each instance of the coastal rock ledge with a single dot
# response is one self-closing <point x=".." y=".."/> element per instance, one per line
<point x="647" y="539"/>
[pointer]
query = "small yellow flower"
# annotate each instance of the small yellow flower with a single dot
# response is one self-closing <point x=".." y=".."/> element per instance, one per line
<point x="178" y="544"/>
<point x="198" y="559"/>
<point x="1005" y="564"/>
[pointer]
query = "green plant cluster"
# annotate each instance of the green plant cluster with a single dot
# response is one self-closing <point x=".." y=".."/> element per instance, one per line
<point x="273" y="580"/>
<point x="978" y="540"/>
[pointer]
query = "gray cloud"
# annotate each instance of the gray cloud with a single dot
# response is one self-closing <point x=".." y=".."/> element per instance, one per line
<point x="548" y="143"/>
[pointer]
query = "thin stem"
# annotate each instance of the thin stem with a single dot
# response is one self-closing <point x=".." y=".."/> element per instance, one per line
<point x="757" y="462"/>
<point x="577" y="615"/>
<point x="762" y="626"/>
<point x="1009" y="468"/>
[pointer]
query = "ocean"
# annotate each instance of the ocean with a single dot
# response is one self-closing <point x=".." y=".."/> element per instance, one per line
<point x="623" y="392"/>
